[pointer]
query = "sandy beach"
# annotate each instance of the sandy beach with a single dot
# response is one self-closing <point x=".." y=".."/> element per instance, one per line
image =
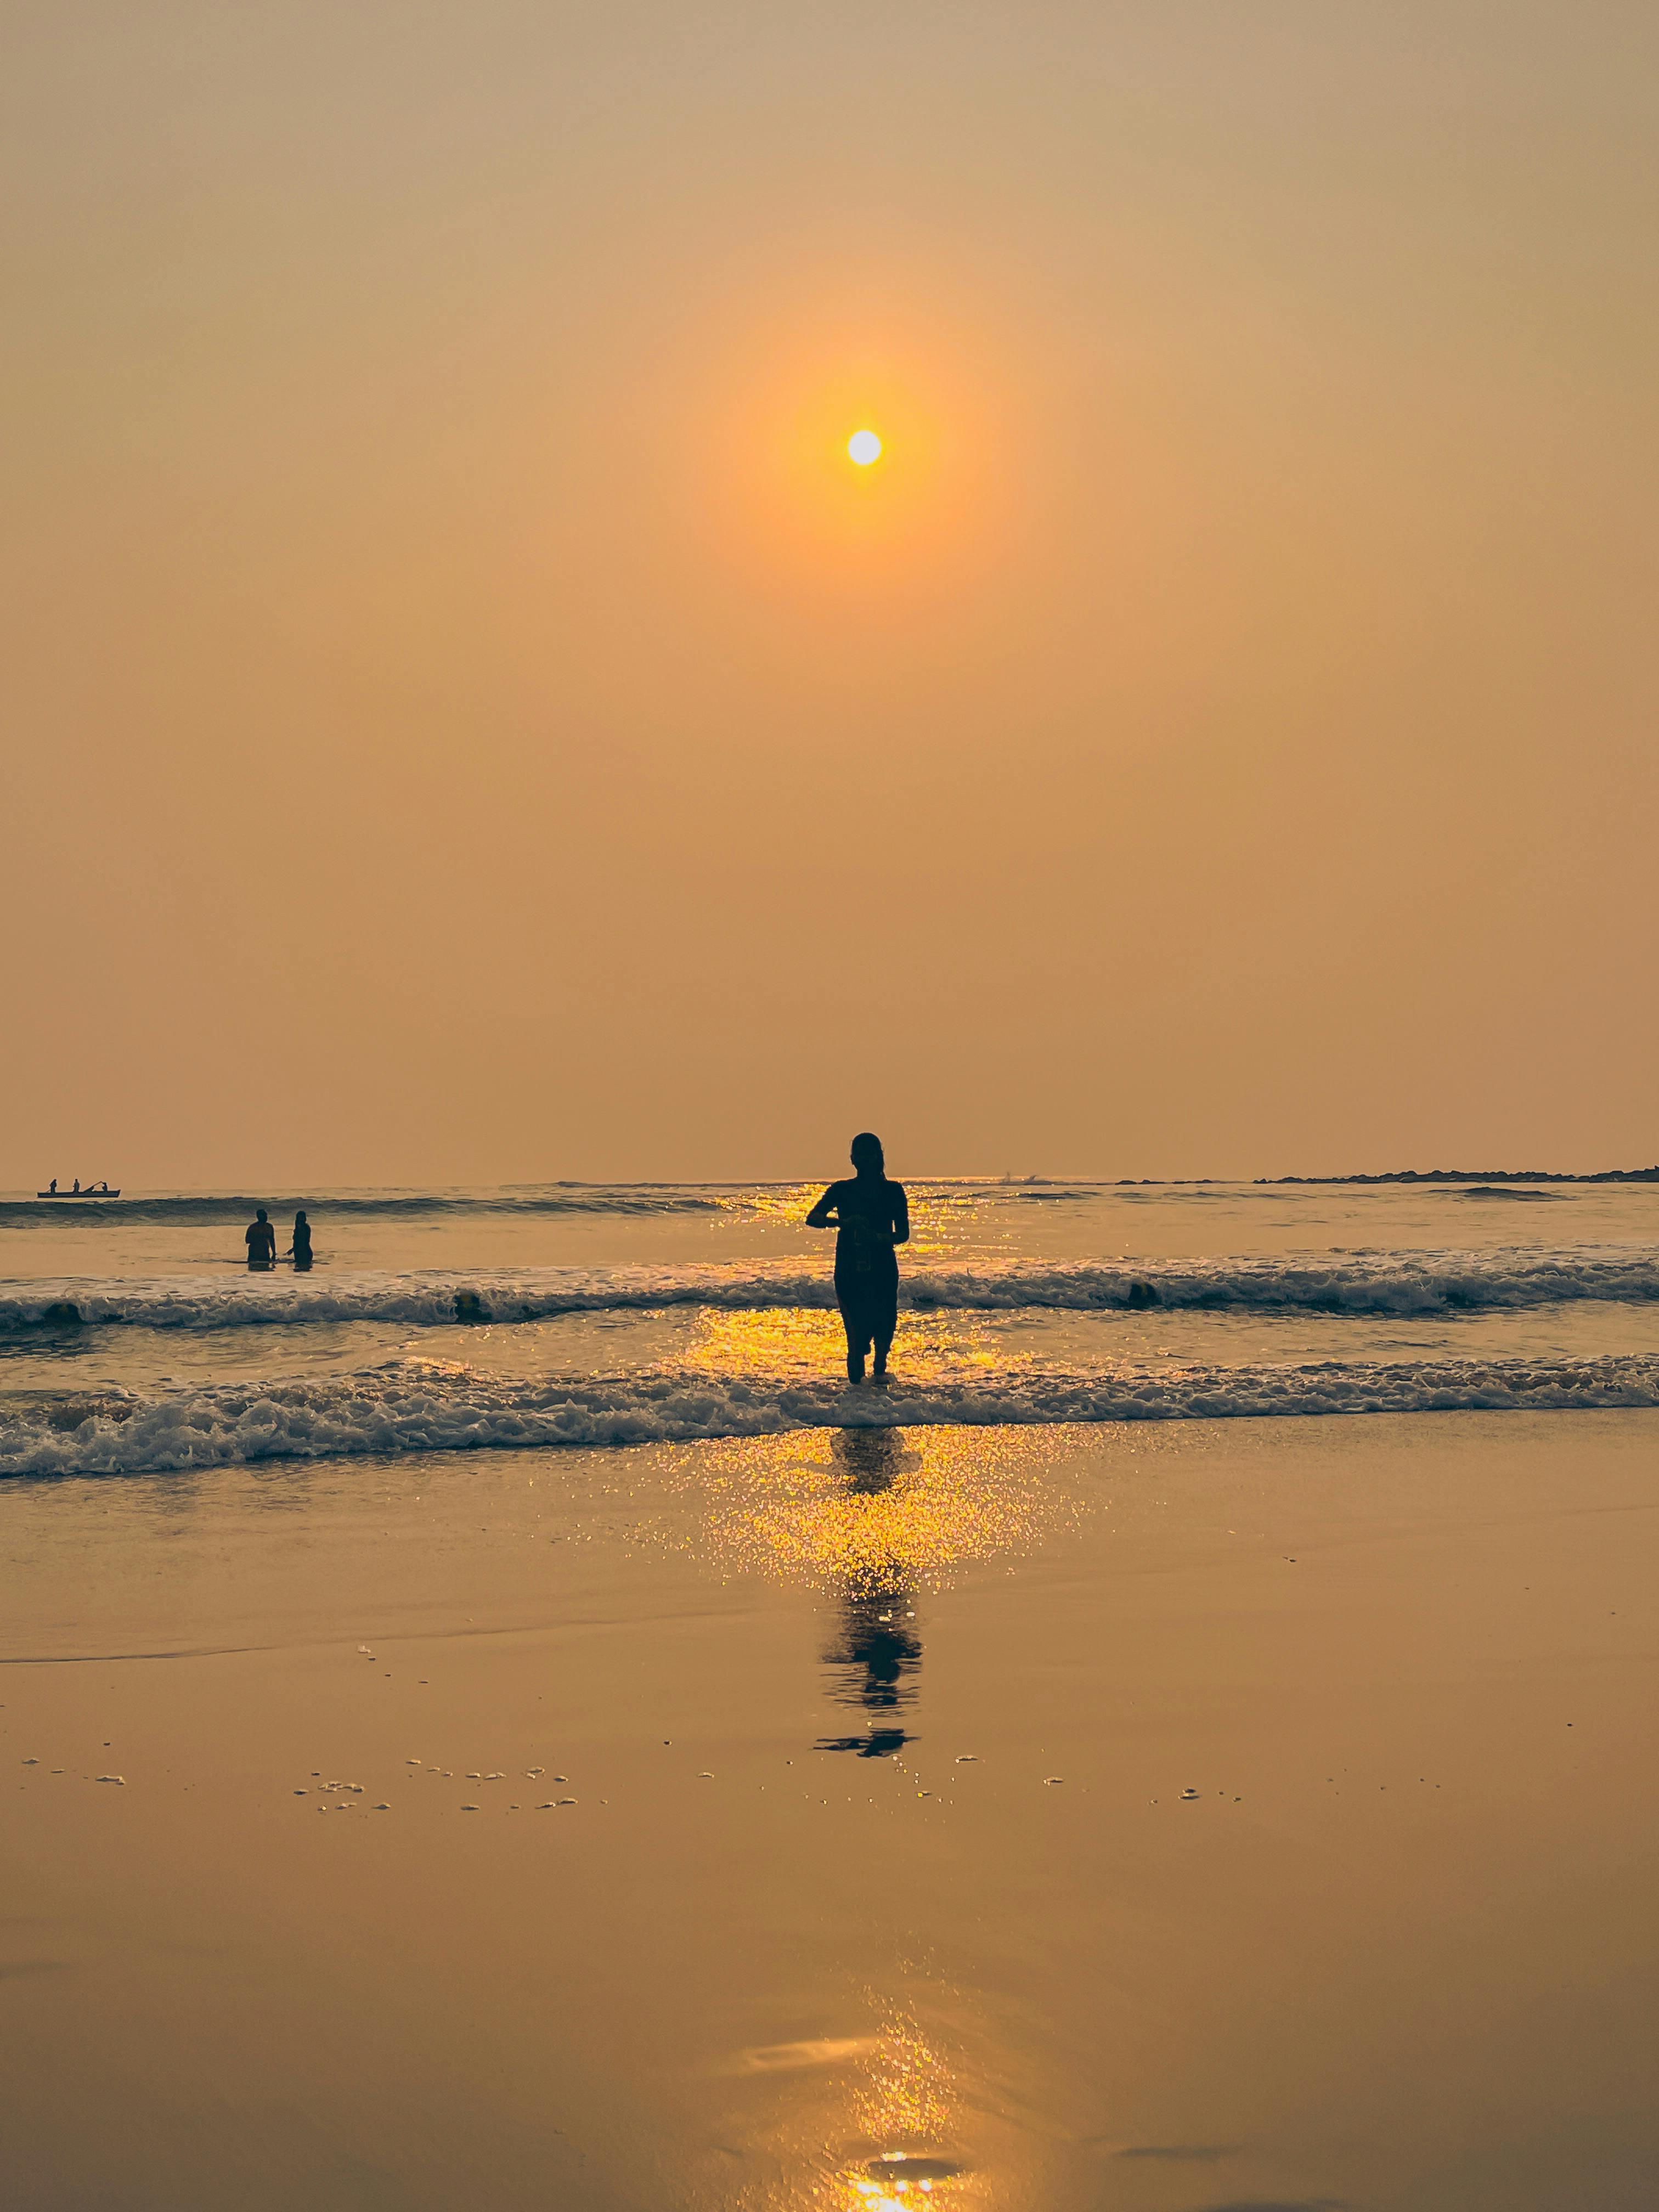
<point x="1138" y="1817"/>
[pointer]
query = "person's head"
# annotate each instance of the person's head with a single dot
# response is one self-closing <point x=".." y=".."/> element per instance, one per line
<point x="258" y="1213"/>
<point x="300" y="1219"/>
<point x="867" y="1154"/>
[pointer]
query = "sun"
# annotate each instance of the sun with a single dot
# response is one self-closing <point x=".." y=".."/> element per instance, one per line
<point x="865" y="446"/>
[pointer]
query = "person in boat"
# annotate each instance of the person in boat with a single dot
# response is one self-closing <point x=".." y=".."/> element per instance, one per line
<point x="261" y="1240"/>
<point x="870" y="1215"/>
<point x="300" y="1249"/>
<point x="52" y="1186"/>
<point x="76" y="1193"/>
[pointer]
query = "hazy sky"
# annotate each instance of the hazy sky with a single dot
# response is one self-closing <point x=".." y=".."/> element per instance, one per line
<point x="465" y="717"/>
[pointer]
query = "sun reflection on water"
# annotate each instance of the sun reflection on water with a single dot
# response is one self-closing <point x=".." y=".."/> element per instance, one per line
<point x="945" y="1220"/>
<point x="807" y="1341"/>
<point x="869" y="1515"/>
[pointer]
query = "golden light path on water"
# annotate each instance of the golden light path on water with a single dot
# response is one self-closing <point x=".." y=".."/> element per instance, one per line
<point x="866" y="1507"/>
<point x="871" y="1515"/>
<point x="945" y="1220"/>
<point x="807" y="1341"/>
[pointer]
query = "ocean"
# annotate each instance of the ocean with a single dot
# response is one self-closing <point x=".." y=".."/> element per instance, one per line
<point x="133" y="1339"/>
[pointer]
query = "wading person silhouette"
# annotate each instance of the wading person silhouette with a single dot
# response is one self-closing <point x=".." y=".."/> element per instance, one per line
<point x="300" y="1249"/>
<point x="870" y="1215"/>
<point x="261" y="1240"/>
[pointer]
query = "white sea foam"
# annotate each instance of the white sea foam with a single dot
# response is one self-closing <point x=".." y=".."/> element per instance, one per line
<point x="1403" y="1282"/>
<point x="412" y="1406"/>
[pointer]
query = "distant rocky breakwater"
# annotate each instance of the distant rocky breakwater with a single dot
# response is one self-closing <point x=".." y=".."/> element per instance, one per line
<point x="1475" y="1176"/>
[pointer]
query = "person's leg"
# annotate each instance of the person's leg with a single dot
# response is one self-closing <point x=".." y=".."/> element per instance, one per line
<point x="853" y="1321"/>
<point x="884" y="1321"/>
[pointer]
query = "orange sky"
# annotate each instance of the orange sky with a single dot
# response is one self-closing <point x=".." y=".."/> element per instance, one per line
<point x="467" y="720"/>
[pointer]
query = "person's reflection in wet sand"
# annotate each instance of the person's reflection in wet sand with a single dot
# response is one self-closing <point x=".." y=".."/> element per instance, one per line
<point x="878" y="1649"/>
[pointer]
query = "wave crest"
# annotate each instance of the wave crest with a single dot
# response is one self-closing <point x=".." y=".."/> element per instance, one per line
<point x="415" y="1408"/>
<point x="1364" y="1282"/>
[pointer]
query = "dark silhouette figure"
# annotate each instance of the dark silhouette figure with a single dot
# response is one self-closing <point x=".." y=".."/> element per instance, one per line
<point x="54" y="1186"/>
<point x="76" y="1191"/>
<point x="877" y="1649"/>
<point x="300" y="1249"/>
<point x="870" y="1215"/>
<point x="261" y="1242"/>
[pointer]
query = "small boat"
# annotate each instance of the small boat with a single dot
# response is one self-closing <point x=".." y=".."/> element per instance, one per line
<point x="79" y="1194"/>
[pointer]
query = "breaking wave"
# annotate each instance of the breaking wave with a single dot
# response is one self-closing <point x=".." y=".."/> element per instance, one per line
<point x="1358" y="1283"/>
<point x="418" y="1406"/>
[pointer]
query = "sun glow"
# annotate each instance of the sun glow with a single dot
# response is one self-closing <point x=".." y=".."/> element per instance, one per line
<point x="865" y="446"/>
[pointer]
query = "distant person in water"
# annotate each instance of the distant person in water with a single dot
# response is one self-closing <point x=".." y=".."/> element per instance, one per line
<point x="261" y="1242"/>
<point x="301" y="1247"/>
<point x="870" y="1215"/>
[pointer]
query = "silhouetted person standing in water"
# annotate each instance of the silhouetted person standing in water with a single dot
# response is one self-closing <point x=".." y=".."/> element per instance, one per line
<point x="301" y="1247"/>
<point x="870" y="1215"/>
<point x="261" y="1242"/>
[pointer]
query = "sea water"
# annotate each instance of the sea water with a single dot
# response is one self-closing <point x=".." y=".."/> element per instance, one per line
<point x="134" y="1340"/>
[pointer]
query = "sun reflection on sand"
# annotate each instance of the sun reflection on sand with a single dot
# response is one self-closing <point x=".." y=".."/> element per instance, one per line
<point x="873" y="2121"/>
<point x="906" y="2103"/>
<point x="873" y="1511"/>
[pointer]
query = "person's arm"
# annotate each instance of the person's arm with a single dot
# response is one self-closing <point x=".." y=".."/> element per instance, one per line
<point x="901" y="1215"/>
<point x="820" y="1217"/>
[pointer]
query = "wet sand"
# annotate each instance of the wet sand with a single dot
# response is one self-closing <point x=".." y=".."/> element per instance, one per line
<point x="881" y="1885"/>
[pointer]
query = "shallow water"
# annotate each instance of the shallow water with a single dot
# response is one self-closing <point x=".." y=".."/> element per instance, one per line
<point x="132" y="1338"/>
